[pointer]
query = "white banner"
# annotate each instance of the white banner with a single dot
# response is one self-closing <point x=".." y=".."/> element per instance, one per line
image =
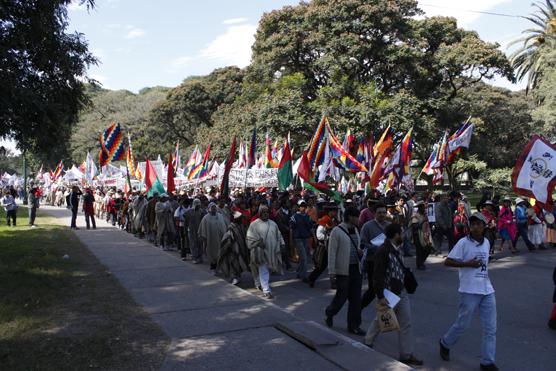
<point x="535" y="172"/>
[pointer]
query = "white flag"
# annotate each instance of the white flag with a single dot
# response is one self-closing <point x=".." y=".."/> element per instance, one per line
<point x="534" y="174"/>
<point x="90" y="169"/>
<point x="461" y="140"/>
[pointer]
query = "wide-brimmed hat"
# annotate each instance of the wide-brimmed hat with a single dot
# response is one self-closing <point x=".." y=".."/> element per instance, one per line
<point x="507" y="198"/>
<point x="519" y="200"/>
<point x="301" y="202"/>
<point x="488" y="202"/>
<point x="237" y="214"/>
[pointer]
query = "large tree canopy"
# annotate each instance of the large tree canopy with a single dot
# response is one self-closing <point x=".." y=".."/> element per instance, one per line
<point x="42" y="68"/>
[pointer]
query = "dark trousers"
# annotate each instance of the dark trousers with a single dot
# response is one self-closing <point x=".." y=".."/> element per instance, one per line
<point x="11" y="214"/>
<point x="92" y="220"/>
<point x="73" y="218"/>
<point x="438" y="238"/>
<point x="523" y="232"/>
<point x="369" y="295"/>
<point x="183" y="242"/>
<point x="320" y="266"/>
<point x="32" y="215"/>
<point x="422" y="254"/>
<point x="348" y="288"/>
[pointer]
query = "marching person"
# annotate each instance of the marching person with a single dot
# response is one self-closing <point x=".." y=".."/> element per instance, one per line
<point x="506" y="226"/>
<point x="265" y="242"/>
<point x="389" y="274"/>
<point x="421" y="234"/>
<point x="444" y="224"/>
<point x="233" y="257"/>
<point x="471" y="256"/>
<point x="522" y="223"/>
<point x="320" y="255"/>
<point x="211" y="230"/>
<point x="345" y="275"/>
<point x="88" y="208"/>
<point x="192" y="220"/>
<point x="301" y="225"/>
<point x="371" y="230"/>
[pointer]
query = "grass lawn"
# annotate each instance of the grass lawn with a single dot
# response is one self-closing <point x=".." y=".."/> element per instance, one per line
<point x="66" y="314"/>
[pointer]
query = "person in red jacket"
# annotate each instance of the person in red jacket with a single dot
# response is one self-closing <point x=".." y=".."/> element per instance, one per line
<point x="88" y="208"/>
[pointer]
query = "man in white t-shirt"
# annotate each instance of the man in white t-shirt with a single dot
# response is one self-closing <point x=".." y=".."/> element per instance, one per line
<point x="470" y="255"/>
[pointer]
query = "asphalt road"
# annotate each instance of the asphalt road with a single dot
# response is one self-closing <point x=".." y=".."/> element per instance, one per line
<point x="524" y="288"/>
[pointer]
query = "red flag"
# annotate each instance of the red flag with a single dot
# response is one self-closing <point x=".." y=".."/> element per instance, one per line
<point x="150" y="174"/>
<point x="224" y="187"/>
<point x="170" y="185"/>
<point x="304" y="173"/>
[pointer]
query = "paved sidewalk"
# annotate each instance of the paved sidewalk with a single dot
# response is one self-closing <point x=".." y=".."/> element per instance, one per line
<point x="212" y="324"/>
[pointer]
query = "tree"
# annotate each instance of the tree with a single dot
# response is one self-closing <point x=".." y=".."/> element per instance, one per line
<point x="529" y="59"/>
<point x="129" y="109"/>
<point x="545" y="97"/>
<point x="42" y="73"/>
<point x="191" y="105"/>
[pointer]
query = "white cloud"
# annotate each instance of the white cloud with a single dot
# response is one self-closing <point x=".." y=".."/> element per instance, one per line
<point x="459" y="11"/>
<point x="233" y="47"/>
<point x="181" y="61"/>
<point x="134" y="32"/>
<point x="234" y="20"/>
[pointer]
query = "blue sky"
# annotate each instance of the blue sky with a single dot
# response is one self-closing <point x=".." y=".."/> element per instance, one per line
<point x="147" y="43"/>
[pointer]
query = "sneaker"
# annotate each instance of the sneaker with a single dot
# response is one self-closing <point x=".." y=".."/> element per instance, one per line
<point x="235" y="281"/>
<point x="412" y="360"/>
<point x="444" y="352"/>
<point x="490" y="367"/>
<point x="268" y="295"/>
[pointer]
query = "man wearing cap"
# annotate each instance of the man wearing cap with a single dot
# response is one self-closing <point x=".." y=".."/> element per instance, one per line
<point x="211" y="231"/>
<point x="301" y="225"/>
<point x="470" y="255"/>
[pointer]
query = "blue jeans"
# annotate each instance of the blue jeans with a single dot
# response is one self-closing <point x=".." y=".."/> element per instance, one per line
<point x="301" y="245"/>
<point x="487" y="311"/>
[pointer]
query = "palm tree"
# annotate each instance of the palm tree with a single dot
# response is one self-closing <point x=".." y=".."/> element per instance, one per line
<point x="530" y="57"/>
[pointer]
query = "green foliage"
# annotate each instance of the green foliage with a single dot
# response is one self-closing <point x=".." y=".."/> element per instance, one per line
<point x="130" y="110"/>
<point x="41" y="69"/>
<point x="545" y="96"/>
<point x="499" y="181"/>
<point x="529" y="60"/>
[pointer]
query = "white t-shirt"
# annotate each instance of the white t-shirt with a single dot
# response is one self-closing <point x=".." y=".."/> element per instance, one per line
<point x="473" y="280"/>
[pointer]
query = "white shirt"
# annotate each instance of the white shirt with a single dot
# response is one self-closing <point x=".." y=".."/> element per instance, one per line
<point x="473" y="280"/>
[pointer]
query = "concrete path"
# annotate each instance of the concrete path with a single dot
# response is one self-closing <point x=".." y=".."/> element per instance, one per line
<point x="212" y="324"/>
